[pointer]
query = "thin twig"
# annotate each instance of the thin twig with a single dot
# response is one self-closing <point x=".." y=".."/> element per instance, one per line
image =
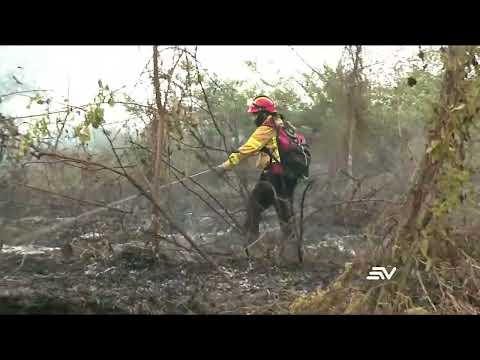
<point x="94" y="203"/>
<point x="208" y="105"/>
<point x="149" y="197"/>
<point x="303" y="60"/>
<point x="309" y="185"/>
<point x="22" y="92"/>
<point x="36" y="115"/>
<point x="79" y="167"/>
<point x="237" y="226"/>
<point x="350" y="201"/>
<point x="114" y="151"/>
<point x="199" y="147"/>
<point x="60" y="132"/>
<point x="425" y="291"/>
<point x="259" y="238"/>
<point x="149" y="151"/>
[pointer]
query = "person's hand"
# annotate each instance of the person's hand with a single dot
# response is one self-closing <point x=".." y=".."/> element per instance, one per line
<point x="222" y="168"/>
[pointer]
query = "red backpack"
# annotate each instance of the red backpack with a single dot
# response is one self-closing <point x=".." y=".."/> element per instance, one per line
<point x="295" y="157"/>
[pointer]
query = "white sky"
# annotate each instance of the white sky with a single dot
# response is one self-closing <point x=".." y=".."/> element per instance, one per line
<point x="76" y="69"/>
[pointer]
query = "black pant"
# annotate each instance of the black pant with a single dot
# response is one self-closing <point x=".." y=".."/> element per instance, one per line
<point x="270" y="190"/>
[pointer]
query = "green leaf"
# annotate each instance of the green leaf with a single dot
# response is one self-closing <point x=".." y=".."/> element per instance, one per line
<point x="94" y="116"/>
<point x="110" y="101"/>
<point x="100" y="84"/>
<point x="83" y="133"/>
<point x="432" y="146"/>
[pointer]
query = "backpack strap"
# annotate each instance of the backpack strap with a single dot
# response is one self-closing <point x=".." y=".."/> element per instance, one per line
<point x="270" y="122"/>
<point x="270" y="154"/>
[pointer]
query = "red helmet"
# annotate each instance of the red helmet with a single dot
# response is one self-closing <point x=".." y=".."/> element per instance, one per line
<point x="262" y="103"/>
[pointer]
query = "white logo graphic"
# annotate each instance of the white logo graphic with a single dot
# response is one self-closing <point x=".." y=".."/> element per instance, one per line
<point x="379" y="272"/>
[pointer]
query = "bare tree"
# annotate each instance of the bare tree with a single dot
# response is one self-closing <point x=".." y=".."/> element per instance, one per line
<point x="158" y="142"/>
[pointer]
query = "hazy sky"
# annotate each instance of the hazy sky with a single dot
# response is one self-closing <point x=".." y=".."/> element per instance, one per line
<point x="76" y="69"/>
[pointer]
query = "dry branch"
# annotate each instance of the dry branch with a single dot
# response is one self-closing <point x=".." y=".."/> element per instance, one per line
<point x="162" y="212"/>
<point x="94" y="203"/>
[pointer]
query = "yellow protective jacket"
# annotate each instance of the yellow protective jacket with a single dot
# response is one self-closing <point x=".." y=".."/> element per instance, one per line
<point x="263" y="136"/>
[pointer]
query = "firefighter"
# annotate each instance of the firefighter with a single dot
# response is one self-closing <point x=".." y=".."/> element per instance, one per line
<point x="273" y="187"/>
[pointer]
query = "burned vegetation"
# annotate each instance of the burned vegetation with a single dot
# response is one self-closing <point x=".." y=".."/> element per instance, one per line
<point x="133" y="216"/>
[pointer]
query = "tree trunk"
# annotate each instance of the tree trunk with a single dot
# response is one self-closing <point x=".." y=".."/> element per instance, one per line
<point x="418" y="208"/>
<point x="355" y="105"/>
<point x="349" y="108"/>
<point x="338" y="151"/>
<point x="158" y="129"/>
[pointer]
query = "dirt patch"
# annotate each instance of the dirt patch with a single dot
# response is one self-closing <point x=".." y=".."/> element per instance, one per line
<point x="112" y="271"/>
<point x="136" y="282"/>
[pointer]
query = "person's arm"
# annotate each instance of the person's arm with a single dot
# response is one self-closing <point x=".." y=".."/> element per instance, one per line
<point x="255" y="143"/>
